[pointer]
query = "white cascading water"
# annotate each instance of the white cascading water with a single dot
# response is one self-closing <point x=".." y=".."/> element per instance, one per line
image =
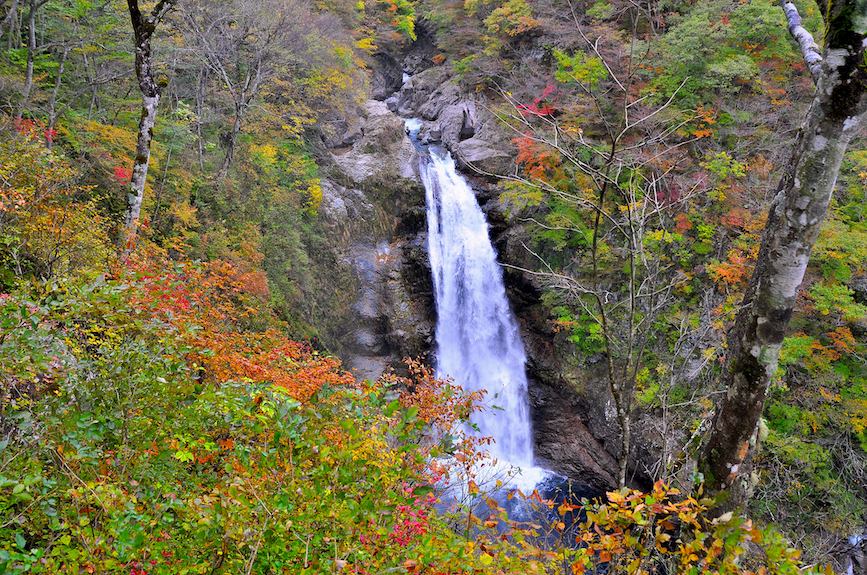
<point x="478" y="344"/>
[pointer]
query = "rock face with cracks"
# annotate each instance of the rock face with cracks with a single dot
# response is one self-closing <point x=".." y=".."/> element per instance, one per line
<point x="371" y="202"/>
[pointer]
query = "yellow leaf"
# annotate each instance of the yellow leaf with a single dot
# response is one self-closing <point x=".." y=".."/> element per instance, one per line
<point x="724" y="518"/>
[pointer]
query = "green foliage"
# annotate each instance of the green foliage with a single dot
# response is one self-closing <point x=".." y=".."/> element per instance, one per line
<point x="520" y="196"/>
<point x="837" y="298"/>
<point x="821" y="399"/>
<point x="716" y="48"/>
<point x="828" y="351"/>
<point x="587" y="71"/>
<point x="584" y="331"/>
<point x="29" y="346"/>
<point x="796" y="348"/>
<point x="799" y="473"/>
<point x="134" y="462"/>
<point x="567" y="230"/>
<point x="724" y="166"/>
<point x="647" y="390"/>
<point x="601" y="10"/>
<point x="735" y="68"/>
<point x="798" y="469"/>
<point x="464" y="66"/>
<point x="841" y="249"/>
<point x="406" y="21"/>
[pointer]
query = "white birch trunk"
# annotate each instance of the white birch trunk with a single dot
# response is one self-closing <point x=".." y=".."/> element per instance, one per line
<point x="143" y="28"/>
<point x="141" y="163"/>
<point x="791" y="231"/>
<point x="811" y="51"/>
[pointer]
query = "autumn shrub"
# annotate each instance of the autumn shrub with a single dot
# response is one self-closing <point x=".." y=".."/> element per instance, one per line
<point x="49" y="225"/>
<point x="149" y="426"/>
<point x="389" y="22"/>
<point x="130" y="446"/>
<point x="665" y="531"/>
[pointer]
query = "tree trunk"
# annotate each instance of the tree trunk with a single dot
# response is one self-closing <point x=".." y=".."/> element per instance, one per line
<point x="143" y="28"/>
<point x="31" y="58"/>
<point x="141" y="162"/>
<point x="230" y="145"/>
<point x="791" y="231"/>
<point x="52" y="100"/>
<point x="201" y="87"/>
<point x="7" y="20"/>
<point x="13" y="40"/>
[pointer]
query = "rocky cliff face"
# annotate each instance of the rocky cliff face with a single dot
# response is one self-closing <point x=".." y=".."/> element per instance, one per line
<point x="373" y="203"/>
<point x="574" y="428"/>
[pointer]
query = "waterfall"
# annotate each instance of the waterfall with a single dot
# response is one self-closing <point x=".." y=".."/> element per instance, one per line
<point x="478" y="344"/>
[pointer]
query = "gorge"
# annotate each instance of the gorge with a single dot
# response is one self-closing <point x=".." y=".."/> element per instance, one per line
<point x="394" y="314"/>
<point x="255" y="366"/>
<point x="574" y="431"/>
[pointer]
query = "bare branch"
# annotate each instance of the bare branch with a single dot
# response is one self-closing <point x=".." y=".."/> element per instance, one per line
<point x="811" y="51"/>
<point x="10" y="14"/>
<point x="161" y="9"/>
<point x="659" y="109"/>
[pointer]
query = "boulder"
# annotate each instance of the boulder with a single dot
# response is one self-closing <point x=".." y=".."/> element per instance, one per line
<point x="458" y="122"/>
<point x="340" y="131"/>
<point x="382" y="152"/>
<point x="479" y="156"/>
<point x="443" y="96"/>
<point x="417" y="91"/>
